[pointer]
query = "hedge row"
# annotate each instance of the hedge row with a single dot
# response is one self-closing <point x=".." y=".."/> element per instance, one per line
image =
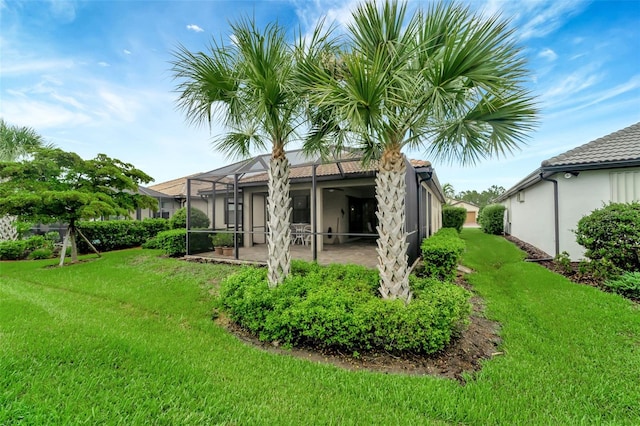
<point x="119" y="234"/>
<point x="338" y="306"/>
<point x="441" y="254"/>
<point x="25" y="249"/>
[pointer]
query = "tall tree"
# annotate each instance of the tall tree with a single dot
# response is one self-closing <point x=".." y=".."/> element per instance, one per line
<point x="444" y="80"/>
<point x="481" y="199"/>
<point x="15" y="143"/>
<point x="57" y="186"/>
<point x="249" y="85"/>
<point x="449" y="191"/>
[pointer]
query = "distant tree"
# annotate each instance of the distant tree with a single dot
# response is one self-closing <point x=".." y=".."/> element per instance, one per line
<point x="481" y="199"/>
<point x="448" y="190"/>
<point x="57" y="186"/>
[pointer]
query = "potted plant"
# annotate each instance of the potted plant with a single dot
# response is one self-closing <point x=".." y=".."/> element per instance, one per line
<point x="217" y="246"/>
<point x="223" y="243"/>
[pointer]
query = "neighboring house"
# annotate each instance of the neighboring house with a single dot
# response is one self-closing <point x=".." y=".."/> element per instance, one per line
<point x="544" y="208"/>
<point x="167" y="205"/>
<point x="472" y="211"/>
<point x="335" y="198"/>
<point x="176" y="192"/>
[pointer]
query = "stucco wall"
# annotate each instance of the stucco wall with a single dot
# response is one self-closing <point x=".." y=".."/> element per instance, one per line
<point x="533" y="220"/>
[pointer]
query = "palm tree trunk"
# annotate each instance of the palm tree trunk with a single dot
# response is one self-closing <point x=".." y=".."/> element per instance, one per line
<point x="8" y="231"/>
<point x="279" y="208"/>
<point x="391" y="189"/>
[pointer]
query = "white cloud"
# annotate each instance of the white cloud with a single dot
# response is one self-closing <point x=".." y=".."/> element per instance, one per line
<point x="26" y="66"/>
<point x="104" y="64"/>
<point x="63" y="10"/>
<point x="195" y="28"/>
<point x="49" y="115"/>
<point x="126" y="52"/>
<point x="548" y="54"/>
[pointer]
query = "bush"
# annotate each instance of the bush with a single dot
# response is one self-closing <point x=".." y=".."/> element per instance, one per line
<point x="339" y="307"/>
<point x="492" y="219"/>
<point x="173" y="242"/>
<point x="441" y="254"/>
<point x="13" y="250"/>
<point x="627" y="284"/>
<point x="612" y="234"/>
<point x="111" y="235"/>
<point x="199" y="219"/>
<point x="41" y="253"/>
<point x="20" y="249"/>
<point x="454" y="217"/>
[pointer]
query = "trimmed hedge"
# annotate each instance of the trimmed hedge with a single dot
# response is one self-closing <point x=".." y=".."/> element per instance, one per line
<point x="612" y="234"/>
<point x="22" y="249"/>
<point x="119" y="234"/>
<point x="173" y="242"/>
<point x="441" y="254"/>
<point x="199" y="219"/>
<point x="454" y="217"/>
<point x="339" y="307"/>
<point x="492" y="219"/>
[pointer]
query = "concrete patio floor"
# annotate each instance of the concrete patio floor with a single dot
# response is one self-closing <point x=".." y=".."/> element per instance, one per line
<point x="361" y="252"/>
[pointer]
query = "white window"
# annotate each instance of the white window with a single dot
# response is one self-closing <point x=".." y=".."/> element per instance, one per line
<point x="625" y="186"/>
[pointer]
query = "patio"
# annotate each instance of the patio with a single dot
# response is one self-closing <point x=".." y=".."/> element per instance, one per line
<point x="362" y="252"/>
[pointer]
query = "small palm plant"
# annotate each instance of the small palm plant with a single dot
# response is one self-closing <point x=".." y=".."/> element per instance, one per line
<point x="444" y="80"/>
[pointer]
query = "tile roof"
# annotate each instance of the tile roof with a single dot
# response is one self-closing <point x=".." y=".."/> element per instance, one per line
<point x="618" y="149"/>
<point x="178" y="187"/>
<point x="620" y="146"/>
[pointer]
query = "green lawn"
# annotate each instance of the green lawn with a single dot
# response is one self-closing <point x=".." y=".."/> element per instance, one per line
<point x="128" y="339"/>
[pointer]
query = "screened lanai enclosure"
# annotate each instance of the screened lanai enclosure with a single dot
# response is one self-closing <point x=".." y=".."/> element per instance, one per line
<point x="333" y="202"/>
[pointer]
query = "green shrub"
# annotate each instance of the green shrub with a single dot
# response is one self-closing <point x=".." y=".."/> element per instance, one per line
<point x="20" y="249"/>
<point x="454" y="217"/>
<point x="173" y="242"/>
<point x="627" y="284"/>
<point x="441" y="254"/>
<point x="612" y="234"/>
<point x="111" y="235"/>
<point x="13" y="250"/>
<point x="492" y="219"/>
<point x="199" y="219"/>
<point x="151" y="243"/>
<point x="41" y="253"/>
<point x="339" y="307"/>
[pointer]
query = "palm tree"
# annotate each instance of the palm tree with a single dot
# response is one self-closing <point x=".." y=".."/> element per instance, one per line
<point x="15" y="143"/>
<point x="448" y="191"/>
<point x="248" y="84"/>
<point x="445" y="80"/>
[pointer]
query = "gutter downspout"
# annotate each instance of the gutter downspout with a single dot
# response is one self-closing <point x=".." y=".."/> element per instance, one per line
<point x="555" y="210"/>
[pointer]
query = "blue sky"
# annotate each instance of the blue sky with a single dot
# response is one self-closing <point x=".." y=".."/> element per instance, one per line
<point x="93" y="76"/>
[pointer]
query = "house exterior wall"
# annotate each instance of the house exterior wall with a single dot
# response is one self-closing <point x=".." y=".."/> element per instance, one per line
<point x="532" y="220"/>
<point x="530" y="216"/>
